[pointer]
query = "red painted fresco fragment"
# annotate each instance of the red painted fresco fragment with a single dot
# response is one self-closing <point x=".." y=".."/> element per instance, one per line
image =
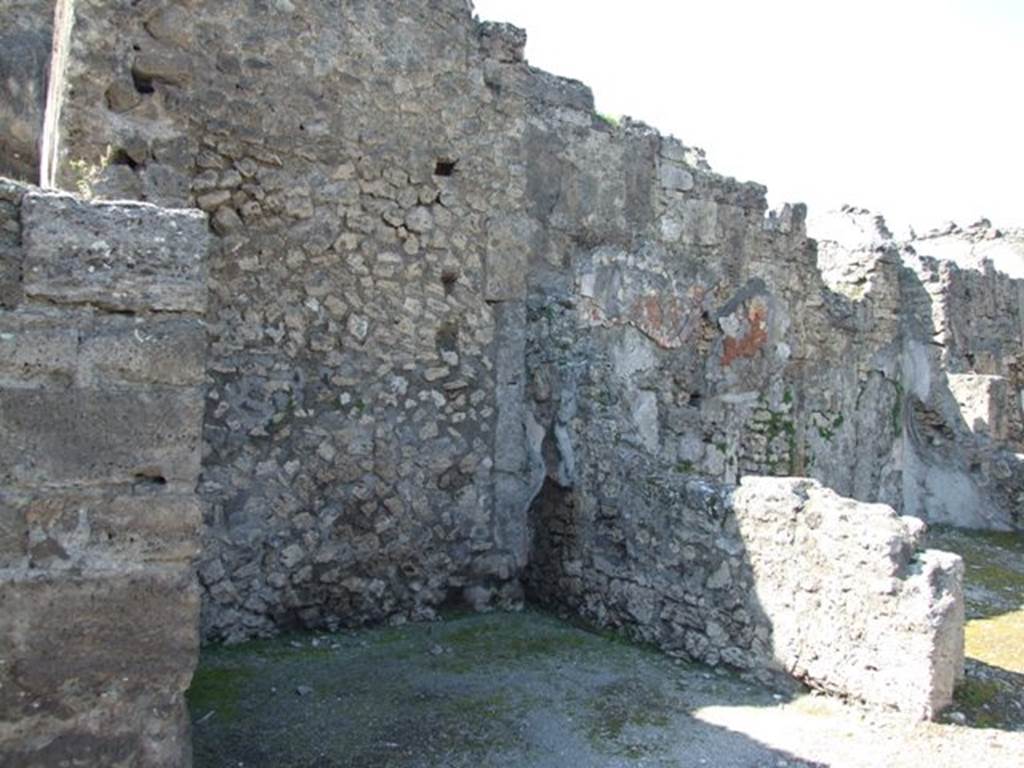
<point x="666" y="320"/>
<point x="751" y="343"/>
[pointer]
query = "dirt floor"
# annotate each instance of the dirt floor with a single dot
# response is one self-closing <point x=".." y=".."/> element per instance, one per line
<point x="530" y="690"/>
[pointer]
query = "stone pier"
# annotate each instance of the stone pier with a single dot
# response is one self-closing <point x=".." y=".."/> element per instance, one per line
<point x="102" y="359"/>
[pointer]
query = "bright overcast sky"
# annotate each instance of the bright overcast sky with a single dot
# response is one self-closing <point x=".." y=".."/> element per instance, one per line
<point x="913" y="108"/>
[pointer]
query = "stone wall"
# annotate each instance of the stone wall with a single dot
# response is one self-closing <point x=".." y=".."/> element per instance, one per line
<point x="657" y="367"/>
<point x="956" y="356"/>
<point x="363" y="364"/>
<point x="660" y="558"/>
<point x="854" y="606"/>
<point x="465" y="333"/>
<point x="964" y="443"/>
<point x="101" y="373"/>
<point x="402" y="203"/>
<point x="779" y="577"/>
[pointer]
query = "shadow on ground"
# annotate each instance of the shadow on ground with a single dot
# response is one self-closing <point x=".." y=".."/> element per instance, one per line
<point x="532" y="690"/>
<point x="500" y="689"/>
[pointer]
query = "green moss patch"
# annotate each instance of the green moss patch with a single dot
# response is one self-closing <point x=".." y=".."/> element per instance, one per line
<point x="217" y="689"/>
<point x="473" y="642"/>
<point x="983" y="702"/>
<point x="972" y="694"/>
<point x="995" y="577"/>
<point x="620" y="714"/>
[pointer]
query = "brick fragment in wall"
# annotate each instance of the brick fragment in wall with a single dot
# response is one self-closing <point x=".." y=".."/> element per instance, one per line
<point x="67" y="637"/>
<point x="40" y="347"/>
<point x="95" y="528"/>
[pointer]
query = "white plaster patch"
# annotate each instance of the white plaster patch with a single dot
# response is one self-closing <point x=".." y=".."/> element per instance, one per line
<point x="633" y="353"/>
<point x="644" y="408"/>
<point x="917" y="370"/>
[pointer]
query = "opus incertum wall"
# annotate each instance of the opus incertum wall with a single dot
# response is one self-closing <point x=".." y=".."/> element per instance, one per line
<point x="470" y="341"/>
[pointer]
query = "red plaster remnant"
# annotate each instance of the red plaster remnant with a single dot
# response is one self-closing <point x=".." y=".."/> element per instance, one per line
<point x="755" y="338"/>
<point x="666" y="320"/>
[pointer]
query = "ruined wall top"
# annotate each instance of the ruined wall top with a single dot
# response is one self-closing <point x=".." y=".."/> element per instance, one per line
<point x="467" y="337"/>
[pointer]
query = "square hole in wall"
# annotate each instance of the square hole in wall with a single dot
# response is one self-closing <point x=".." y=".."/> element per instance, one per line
<point x="445" y="167"/>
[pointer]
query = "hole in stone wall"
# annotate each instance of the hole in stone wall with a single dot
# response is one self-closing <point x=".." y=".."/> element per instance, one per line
<point x="553" y="521"/>
<point x="445" y="167"/>
<point x="121" y="157"/>
<point x="930" y="424"/>
<point x="142" y="84"/>
<point x="454" y="600"/>
<point x="695" y="399"/>
<point x="150" y="479"/>
<point x="449" y="278"/>
<point x="447" y="337"/>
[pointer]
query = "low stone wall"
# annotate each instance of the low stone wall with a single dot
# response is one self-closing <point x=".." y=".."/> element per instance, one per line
<point x="780" y="577"/>
<point x="855" y="607"/>
<point x="671" y="572"/>
<point x="102" y="357"/>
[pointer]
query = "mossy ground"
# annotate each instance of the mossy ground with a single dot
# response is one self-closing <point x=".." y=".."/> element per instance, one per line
<point x="534" y="691"/>
<point x="992" y="694"/>
<point x="480" y="690"/>
<point x="217" y="689"/>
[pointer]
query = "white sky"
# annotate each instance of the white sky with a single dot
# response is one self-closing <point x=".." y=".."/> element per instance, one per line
<point x="913" y="108"/>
